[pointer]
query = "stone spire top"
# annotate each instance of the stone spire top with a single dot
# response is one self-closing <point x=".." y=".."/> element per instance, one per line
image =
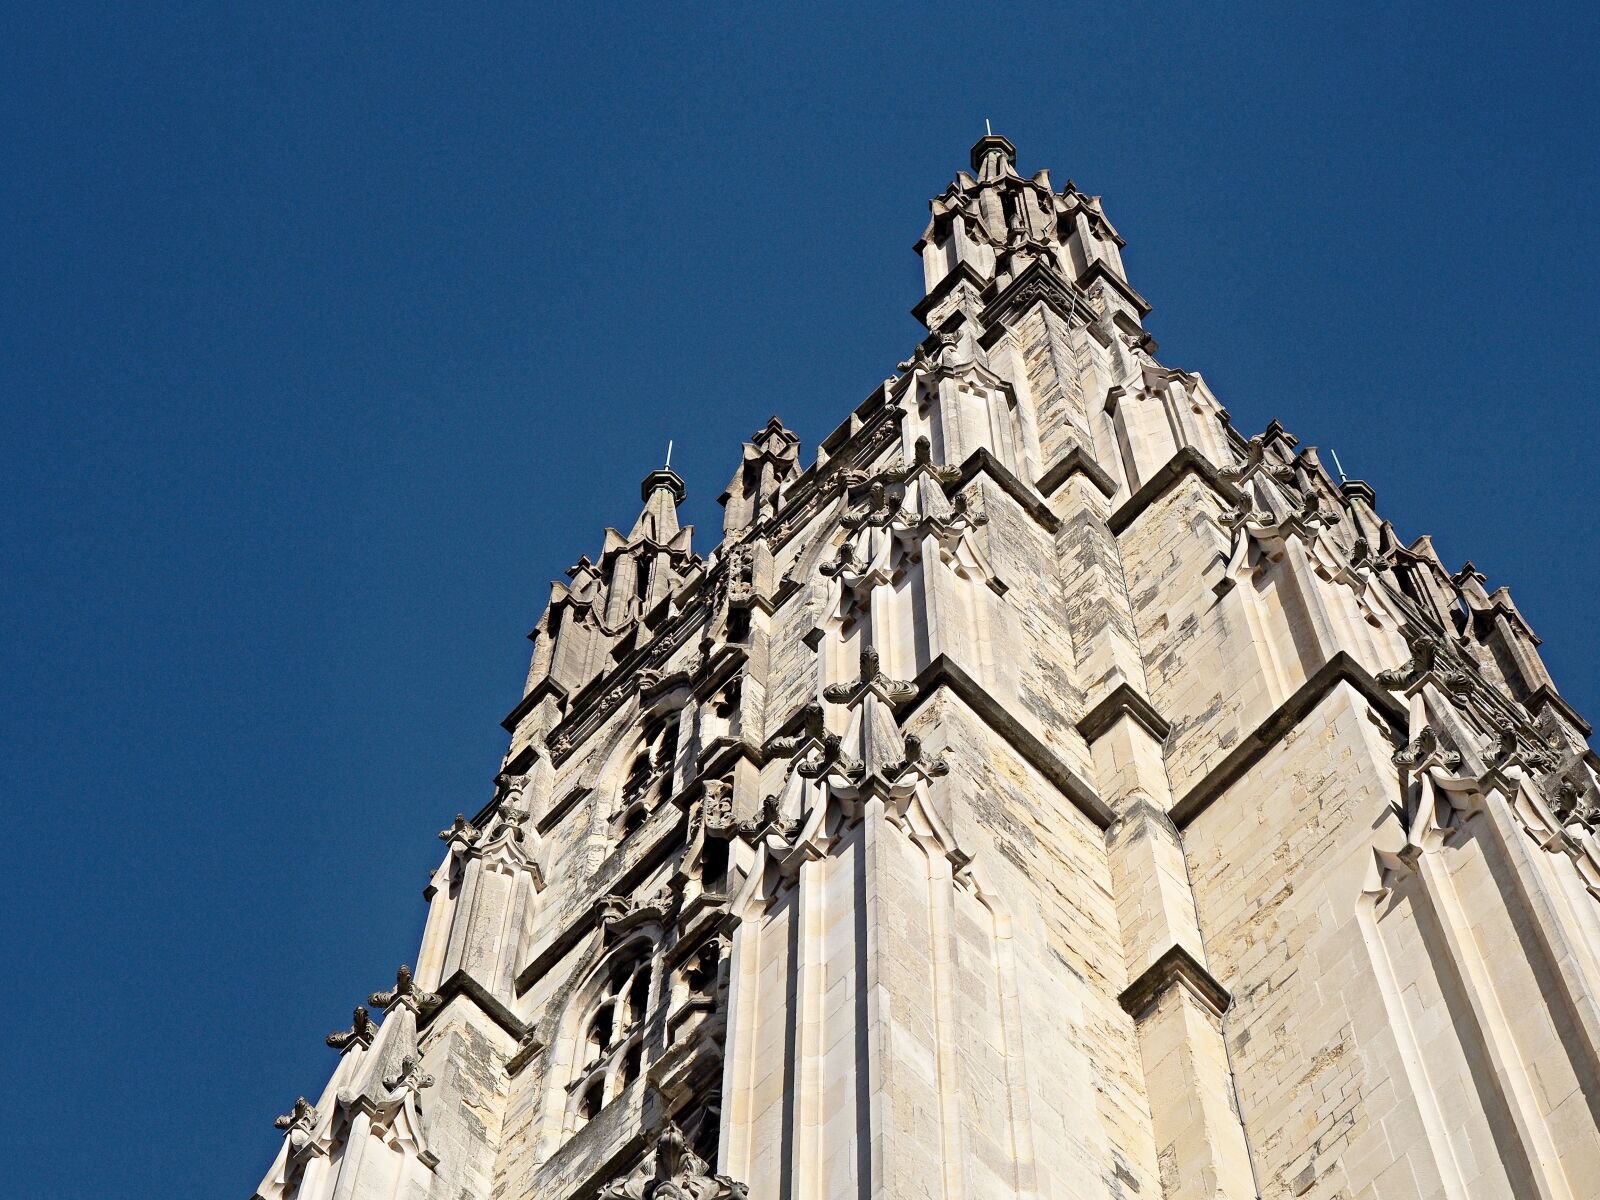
<point x="1039" y="689"/>
<point x="662" y="491"/>
<point x="994" y="157"/>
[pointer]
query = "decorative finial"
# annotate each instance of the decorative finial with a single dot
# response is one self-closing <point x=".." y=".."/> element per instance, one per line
<point x="669" y="454"/>
<point x="987" y="130"/>
<point x="1337" y="465"/>
<point x="993" y="155"/>
<point x="667" y="478"/>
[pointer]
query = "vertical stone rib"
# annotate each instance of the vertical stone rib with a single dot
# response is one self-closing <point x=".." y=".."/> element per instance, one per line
<point x="940" y="936"/>
<point x="1020" y="1111"/>
<point x="1509" y="1076"/>
<point x="1571" y="959"/>
<point x="875" y="1009"/>
<point x="741" y="1062"/>
<point x="810" y="980"/>
<point x="1412" y="1062"/>
<point x="355" y="1149"/>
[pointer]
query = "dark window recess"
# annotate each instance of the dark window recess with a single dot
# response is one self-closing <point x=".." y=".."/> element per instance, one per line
<point x="704" y="1139"/>
<point x="739" y="625"/>
<point x="669" y="747"/>
<point x="714" y="864"/>
<point x="638" y="773"/>
<point x="639" y="996"/>
<point x="593" y="1098"/>
<point x="523" y="762"/>
<point x="702" y="973"/>
<point x="600" y="1029"/>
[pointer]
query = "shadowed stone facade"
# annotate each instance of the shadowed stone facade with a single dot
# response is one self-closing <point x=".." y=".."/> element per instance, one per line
<point x="1045" y="791"/>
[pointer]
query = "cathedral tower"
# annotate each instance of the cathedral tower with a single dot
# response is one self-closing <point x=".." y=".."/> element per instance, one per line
<point x="1044" y="792"/>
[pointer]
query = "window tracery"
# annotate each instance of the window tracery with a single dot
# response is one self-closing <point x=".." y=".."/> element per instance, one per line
<point x="649" y="776"/>
<point x="613" y="1031"/>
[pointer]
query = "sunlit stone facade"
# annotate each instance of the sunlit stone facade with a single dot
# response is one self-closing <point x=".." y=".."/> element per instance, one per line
<point x="1044" y="790"/>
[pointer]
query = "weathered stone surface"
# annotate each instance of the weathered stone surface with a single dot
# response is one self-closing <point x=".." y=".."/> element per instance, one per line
<point x="1045" y="792"/>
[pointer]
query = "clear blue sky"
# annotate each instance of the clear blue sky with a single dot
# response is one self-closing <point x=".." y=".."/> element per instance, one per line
<point x="333" y="332"/>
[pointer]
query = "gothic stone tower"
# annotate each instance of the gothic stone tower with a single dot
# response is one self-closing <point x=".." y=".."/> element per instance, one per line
<point x="1045" y="793"/>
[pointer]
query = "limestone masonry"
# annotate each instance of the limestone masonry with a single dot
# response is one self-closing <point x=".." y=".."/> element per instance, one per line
<point x="1047" y="791"/>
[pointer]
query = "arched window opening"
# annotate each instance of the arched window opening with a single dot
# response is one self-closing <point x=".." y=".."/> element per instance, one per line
<point x="667" y="747"/>
<point x="591" y="1102"/>
<point x="639" y="996"/>
<point x="638" y="774"/>
<point x="600" y="1029"/>
<point x="649" y="776"/>
<point x="613" y="1032"/>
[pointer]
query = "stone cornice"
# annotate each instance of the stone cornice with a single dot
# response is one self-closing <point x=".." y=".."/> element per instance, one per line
<point x="545" y="687"/>
<point x="1176" y="966"/>
<point x="467" y="988"/>
<point x="957" y="275"/>
<point x="558" y="811"/>
<point x="1075" y="461"/>
<point x="1099" y="270"/>
<point x="943" y="672"/>
<point x="1120" y="701"/>
<point x="1039" y="282"/>
<point x="1545" y="696"/>
<point x="982" y="462"/>
<point x="1185" y="462"/>
<point x="1341" y="668"/>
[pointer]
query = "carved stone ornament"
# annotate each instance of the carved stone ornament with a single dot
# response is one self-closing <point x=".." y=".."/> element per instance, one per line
<point x="1270" y="532"/>
<point x="407" y="1080"/>
<point x="1255" y="462"/>
<point x="1365" y="562"/>
<point x="360" y="1033"/>
<point x="814" y="749"/>
<point x="461" y="836"/>
<point x="1435" y="802"/>
<point x="715" y="810"/>
<point x="618" y="913"/>
<point x="878" y="507"/>
<point x="1426" y="751"/>
<point x="299" y="1125"/>
<point x="404" y="993"/>
<point x="1427" y="660"/>
<point x="674" y="1172"/>
<point x="916" y="763"/>
<point x="1576" y="805"/>
<point x="770" y="820"/>
<point x="893" y="692"/>
<point x="952" y="350"/>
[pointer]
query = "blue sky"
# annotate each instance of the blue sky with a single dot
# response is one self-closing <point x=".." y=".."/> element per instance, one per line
<point x="332" y="333"/>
